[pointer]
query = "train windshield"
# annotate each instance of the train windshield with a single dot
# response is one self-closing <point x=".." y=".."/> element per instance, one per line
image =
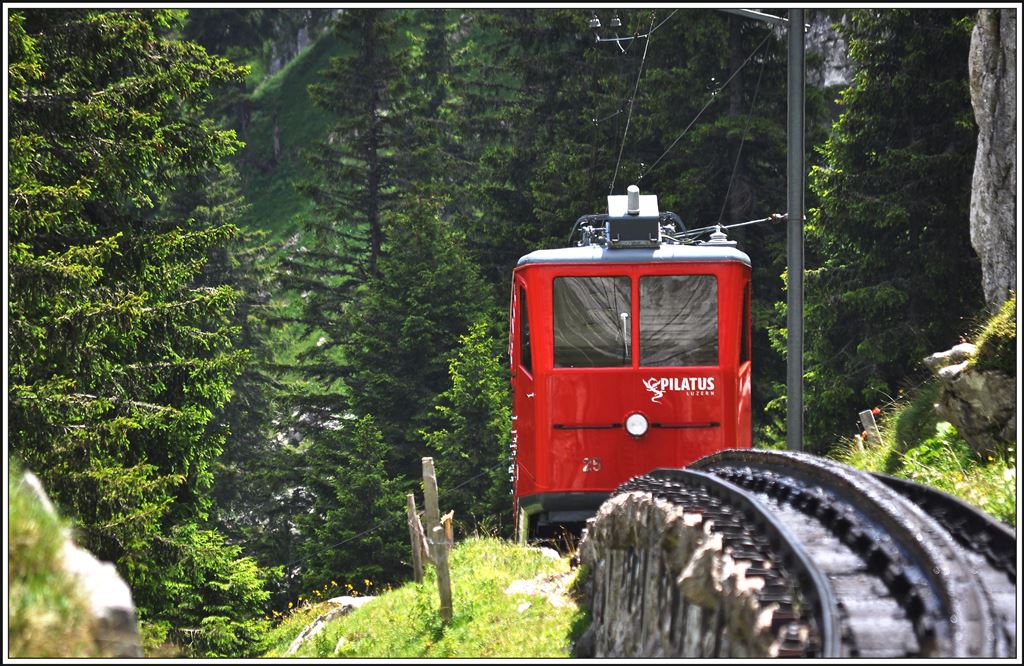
<point x="592" y="322"/>
<point x="678" y="320"/>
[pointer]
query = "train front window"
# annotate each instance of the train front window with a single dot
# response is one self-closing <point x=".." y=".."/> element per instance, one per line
<point x="678" y="320"/>
<point x="592" y="322"/>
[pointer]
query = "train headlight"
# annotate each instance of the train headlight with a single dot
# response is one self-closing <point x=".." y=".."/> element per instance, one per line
<point x="636" y="425"/>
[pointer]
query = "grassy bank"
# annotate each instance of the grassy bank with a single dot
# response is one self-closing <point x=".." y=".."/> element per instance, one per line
<point x="282" y="111"/>
<point x="487" y="622"/>
<point x="917" y="445"/>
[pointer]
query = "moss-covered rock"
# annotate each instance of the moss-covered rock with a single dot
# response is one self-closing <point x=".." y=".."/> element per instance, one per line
<point x="997" y="342"/>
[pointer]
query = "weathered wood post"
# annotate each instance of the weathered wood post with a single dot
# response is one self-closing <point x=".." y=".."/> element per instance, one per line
<point x="446" y="523"/>
<point x="439" y="546"/>
<point x="431" y="513"/>
<point x="414" y="537"/>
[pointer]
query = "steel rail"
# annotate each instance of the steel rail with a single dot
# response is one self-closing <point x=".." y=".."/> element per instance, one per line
<point x="973" y="529"/>
<point x="911" y="553"/>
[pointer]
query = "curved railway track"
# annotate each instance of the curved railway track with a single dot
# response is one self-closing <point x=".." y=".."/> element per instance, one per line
<point x="857" y="565"/>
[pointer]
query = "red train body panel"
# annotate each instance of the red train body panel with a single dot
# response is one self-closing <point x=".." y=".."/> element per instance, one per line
<point x="599" y="335"/>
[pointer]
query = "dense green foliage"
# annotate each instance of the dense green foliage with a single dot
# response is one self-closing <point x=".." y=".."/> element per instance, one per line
<point x="356" y="528"/>
<point x="230" y="348"/>
<point x="470" y="425"/>
<point x="487" y="622"/>
<point x="893" y="276"/>
<point x="121" y="353"/>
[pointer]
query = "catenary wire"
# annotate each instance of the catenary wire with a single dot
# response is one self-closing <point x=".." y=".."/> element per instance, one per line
<point x="743" y="139"/>
<point x="714" y="95"/>
<point x="629" y="116"/>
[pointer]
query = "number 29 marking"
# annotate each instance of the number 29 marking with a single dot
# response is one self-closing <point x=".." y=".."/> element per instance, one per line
<point x="591" y="464"/>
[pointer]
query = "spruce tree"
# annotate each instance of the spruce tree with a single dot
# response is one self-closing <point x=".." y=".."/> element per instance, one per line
<point x="401" y="329"/>
<point x="121" y="355"/>
<point x="469" y="433"/>
<point x="892" y="276"/>
<point x="356" y="525"/>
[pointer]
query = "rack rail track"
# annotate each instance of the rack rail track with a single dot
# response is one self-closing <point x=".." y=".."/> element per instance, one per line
<point x="858" y="565"/>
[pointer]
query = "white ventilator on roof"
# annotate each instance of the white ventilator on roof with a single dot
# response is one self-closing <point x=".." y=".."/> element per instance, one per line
<point x="633" y="203"/>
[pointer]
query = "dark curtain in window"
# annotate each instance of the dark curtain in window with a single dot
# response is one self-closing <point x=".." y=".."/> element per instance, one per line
<point x="591" y="322"/>
<point x="526" y="354"/>
<point x="678" y="320"/>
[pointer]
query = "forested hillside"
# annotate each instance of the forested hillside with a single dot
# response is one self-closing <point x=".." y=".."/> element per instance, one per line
<point x="243" y="304"/>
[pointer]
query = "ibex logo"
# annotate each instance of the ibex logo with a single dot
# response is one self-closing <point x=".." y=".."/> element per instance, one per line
<point x="691" y="386"/>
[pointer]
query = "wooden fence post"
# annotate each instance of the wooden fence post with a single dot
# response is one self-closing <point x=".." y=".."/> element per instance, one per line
<point x="446" y="523"/>
<point x="431" y="513"/>
<point x="414" y="537"/>
<point x="444" y="580"/>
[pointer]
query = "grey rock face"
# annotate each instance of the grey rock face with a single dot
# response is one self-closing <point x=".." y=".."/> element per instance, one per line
<point x="116" y="628"/>
<point x="286" y="47"/>
<point x="993" y="80"/>
<point x="115" y="622"/>
<point x="982" y="404"/>
<point x="833" y="66"/>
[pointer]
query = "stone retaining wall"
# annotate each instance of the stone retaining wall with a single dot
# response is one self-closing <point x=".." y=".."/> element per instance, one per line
<point x="661" y="586"/>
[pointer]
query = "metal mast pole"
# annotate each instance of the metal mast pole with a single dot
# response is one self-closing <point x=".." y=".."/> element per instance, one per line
<point x="795" y="235"/>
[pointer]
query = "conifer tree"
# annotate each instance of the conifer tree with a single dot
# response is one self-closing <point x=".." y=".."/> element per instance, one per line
<point x="892" y="275"/>
<point x="399" y="332"/>
<point x="121" y="356"/>
<point x="469" y="433"/>
<point x="356" y="524"/>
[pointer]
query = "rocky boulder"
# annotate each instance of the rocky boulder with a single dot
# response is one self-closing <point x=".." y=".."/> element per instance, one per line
<point x="981" y="403"/>
<point x="339" y="606"/>
<point x="115" y="629"/>
<point x="661" y="584"/>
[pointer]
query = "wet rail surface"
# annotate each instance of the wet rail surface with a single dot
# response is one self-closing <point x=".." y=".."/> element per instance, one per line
<point x="858" y="565"/>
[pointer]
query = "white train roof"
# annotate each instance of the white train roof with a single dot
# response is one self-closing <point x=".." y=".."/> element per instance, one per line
<point x="596" y="254"/>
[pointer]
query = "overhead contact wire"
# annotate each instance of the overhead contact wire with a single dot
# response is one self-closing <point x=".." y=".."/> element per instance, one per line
<point x="743" y="139"/>
<point x="714" y="96"/>
<point x="629" y="116"/>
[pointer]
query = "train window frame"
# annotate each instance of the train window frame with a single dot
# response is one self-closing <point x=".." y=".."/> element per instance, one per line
<point x="623" y="329"/>
<point x="525" y="342"/>
<point x="712" y="357"/>
<point x="745" y="325"/>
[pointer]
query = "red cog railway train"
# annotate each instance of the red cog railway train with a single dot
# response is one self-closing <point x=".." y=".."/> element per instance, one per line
<point x="629" y="351"/>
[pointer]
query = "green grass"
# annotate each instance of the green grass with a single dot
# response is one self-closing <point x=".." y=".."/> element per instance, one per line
<point x="487" y="623"/>
<point x="275" y="205"/>
<point x="916" y="445"/>
<point x="997" y="341"/>
<point x="47" y="618"/>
